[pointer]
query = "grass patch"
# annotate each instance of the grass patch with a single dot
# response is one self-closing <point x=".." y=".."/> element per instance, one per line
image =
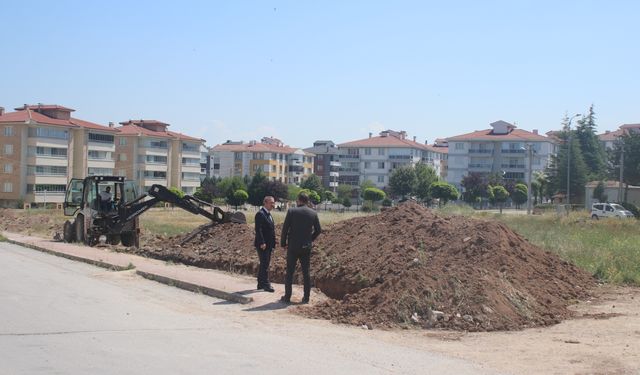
<point x="3" y="238"/>
<point x="608" y="248"/>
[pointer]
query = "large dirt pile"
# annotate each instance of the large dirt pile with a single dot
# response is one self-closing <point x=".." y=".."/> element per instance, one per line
<point x="410" y="266"/>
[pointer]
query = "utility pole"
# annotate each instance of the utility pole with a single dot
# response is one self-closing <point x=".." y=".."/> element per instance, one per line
<point x="569" y="159"/>
<point x="530" y="151"/>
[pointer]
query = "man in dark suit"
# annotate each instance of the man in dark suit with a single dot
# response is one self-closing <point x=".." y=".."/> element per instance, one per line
<point x="265" y="241"/>
<point x="301" y="227"/>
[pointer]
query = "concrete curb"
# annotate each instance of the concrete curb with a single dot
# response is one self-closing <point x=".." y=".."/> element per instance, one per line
<point x="233" y="297"/>
<point x="212" y="292"/>
<point x="109" y="266"/>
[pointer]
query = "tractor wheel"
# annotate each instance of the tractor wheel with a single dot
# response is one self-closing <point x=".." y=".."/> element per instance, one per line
<point x="113" y="239"/>
<point x="595" y="217"/>
<point x="79" y="224"/>
<point x="128" y="238"/>
<point x="68" y="232"/>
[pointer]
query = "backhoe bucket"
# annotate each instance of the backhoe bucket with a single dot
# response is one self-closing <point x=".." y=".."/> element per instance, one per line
<point x="236" y="217"/>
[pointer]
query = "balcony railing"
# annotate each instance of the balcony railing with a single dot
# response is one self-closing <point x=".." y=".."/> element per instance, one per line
<point x="511" y="151"/>
<point x="480" y="151"/>
<point x="480" y="166"/>
<point x="349" y="156"/>
<point x="513" y="166"/>
<point x="400" y="156"/>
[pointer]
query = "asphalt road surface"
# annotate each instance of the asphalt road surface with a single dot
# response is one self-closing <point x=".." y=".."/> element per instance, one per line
<point x="62" y="317"/>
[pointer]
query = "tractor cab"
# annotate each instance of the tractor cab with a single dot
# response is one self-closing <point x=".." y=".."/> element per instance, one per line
<point x="98" y="195"/>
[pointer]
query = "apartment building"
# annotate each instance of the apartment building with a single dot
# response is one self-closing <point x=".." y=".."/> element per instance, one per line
<point x="501" y="149"/>
<point x="375" y="158"/>
<point x="609" y="138"/>
<point x="327" y="163"/>
<point x="150" y="154"/>
<point x="43" y="147"/>
<point x="278" y="162"/>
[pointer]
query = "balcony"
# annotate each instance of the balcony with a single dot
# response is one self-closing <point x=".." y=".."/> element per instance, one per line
<point x="479" y="166"/>
<point x="335" y="164"/>
<point x="512" y="151"/>
<point x="400" y="157"/>
<point x="480" y="151"/>
<point x="349" y="156"/>
<point x="513" y="166"/>
<point x="333" y="184"/>
<point x="334" y="174"/>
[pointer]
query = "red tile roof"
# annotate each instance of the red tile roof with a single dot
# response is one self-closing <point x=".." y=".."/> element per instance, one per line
<point x="141" y="122"/>
<point x="135" y="130"/>
<point x="610" y="136"/>
<point x="390" y="141"/>
<point x="488" y="135"/>
<point x="255" y="147"/>
<point x="44" y="106"/>
<point x="24" y="115"/>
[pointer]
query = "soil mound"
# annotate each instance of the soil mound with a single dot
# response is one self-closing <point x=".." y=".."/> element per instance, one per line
<point x="410" y="266"/>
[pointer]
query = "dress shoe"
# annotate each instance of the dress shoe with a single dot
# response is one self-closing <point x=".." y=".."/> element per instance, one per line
<point x="269" y="289"/>
<point x="286" y="300"/>
<point x="305" y="301"/>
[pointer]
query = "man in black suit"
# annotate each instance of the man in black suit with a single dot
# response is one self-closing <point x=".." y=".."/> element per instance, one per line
<point x="265" y="241"/>
<point x="301" y="227"/>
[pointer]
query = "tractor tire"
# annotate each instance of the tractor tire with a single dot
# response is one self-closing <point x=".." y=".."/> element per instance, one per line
<point x="128" y="238"/>
<point x="113" y="239"/>
<point x="595" y="217"/>
<point x="68" y="232"/>
<point x="79" y="225"/>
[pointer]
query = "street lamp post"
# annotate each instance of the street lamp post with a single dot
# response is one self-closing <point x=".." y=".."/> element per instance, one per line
<point x="569" y="159"/>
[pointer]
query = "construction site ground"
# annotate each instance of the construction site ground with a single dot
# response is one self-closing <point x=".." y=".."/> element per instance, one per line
<point x="412" y="276"/>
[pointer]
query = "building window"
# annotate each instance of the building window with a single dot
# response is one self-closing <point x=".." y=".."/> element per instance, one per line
<point x="122" y="157"/>
<point x="381" y="151"/>
<point x="459" y="146"/>
<point x="122" y="172"/>
<point x="123" y="141"/>
<point x="367" y="165"/>
<point x="367" y="151"/>
<point x="99" y="155"/>
<point x="48" y="133"/>
<point x="8" y="149"/>
<point x="8" y="131"/>
<point x="381" y="179"/>
<point x="8" y="168"/>
<point x="380" y="165"/>
<point x="8" y="187"/>
<point x="101" y="138"/>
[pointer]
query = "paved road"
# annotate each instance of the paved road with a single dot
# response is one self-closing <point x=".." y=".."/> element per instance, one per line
<point x="62" y="317"/>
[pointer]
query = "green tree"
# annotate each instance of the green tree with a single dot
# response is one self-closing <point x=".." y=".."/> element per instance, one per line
<point x="500" y="195"/>
<point x="598" y="192"/>
<point x="177" y="191"/>
<point x="276" y="189"/>
<point x="365" y="185"/>
<point x="293" y="191"/>
<point x="630" y="143"/>
<point x="374" y="194"/>
<point x="402" y="181"/>
<point x="229" y="185"/>
<point x="519" y="195"/>
<point x="346" y="201"/>
<point x="541" y="178"/>
<point x="313" y="183"/>
<point x="535" y="191"/>
<point x="557" y="170"/>
<point x="328" y="195"/>
<point x="256" y="188"/>
<point x="239" y="198"/>
<point x="443" y="191"/>
<point x="425" y="176"/>
<point x="344" y="191"/>
<point x="592" y="150"/>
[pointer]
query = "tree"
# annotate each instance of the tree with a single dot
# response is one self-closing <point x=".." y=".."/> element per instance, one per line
<point x="499" y="194"/>
<point x="344" y="191"/>
<point x="256" y="188"/>
<point x="402" y="181"/>
<point x="276" y="189"/>
<point x="425" y="176"/>
<point x="293" y="191"/>
<point x="177" y="191"/>
<point x="535" y="191"/>
<point x="519" y="194"/>
<point x="346" y="201"/>
<point x="239" y="198"/>
<point x="229" y="185"/>
<point x="208" y="190"/>
<point x="365" y="185"/>
<point x="592" y="150"/>
<point x="312" y="183"/>
<point x="374" y="194"/>
<point x="475" y="187"/>
<point x="314" y="197"/>
<point x="328" y="195"/>
<point x="557" y="170"/>
<point x="443" y="191"/>
<point x="598" y="192"/>
<point x="630" y="143"/>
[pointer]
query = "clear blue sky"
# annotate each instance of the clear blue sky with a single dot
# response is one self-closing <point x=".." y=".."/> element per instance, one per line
<point x="302" y="70"/>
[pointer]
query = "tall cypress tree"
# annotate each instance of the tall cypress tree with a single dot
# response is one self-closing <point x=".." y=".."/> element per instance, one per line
<point x="557" y="170"/>
<point x="593" y="152"/>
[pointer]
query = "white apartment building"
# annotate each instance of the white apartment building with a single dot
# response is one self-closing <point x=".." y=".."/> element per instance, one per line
<point x="43" y="147"/>
<point x="501" y="149"/>
<point x="608" y="138"/>
<point x="375" y="158"/>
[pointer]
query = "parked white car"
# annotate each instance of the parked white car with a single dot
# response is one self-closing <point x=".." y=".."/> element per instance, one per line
<point x="599" y="210"/>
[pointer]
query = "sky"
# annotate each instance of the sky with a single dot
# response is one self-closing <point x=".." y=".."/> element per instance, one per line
<point x="303" y="71"/>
